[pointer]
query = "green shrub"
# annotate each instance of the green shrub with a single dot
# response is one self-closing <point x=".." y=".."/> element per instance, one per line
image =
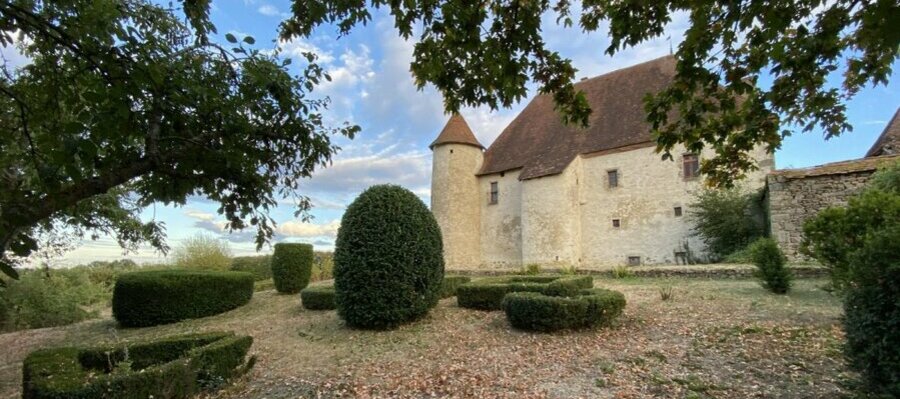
<point x="451" y="284"/>
<point x="292" y="267"/>
<point x="666" y="292"/>
<point x="568" y="270"/>
<point x="203" y="252"/>
<point x="48" y="298"/>
<point x="388" y="259"/>
<point x="568" y="286"/>
<point x="531" y="269"/>
<point x="859" y="245"/>
<point x="263" y="285"/>
<point x="539" y="312"/>
<point x="618" y="272"/>
<point x="872" y="311"/>
<point x="741" y="256"/>
<point x="833" y="235"/>
<point x="771" y="270"/>
<point x="323" y="267"/>
<point x="172" y="367"/>
<point x="258" y="266"/>
<point x="318" y="297"/>
<point x="150" y="298"/>
<point x="727" y="220"/>
<point x="488" y="293"/>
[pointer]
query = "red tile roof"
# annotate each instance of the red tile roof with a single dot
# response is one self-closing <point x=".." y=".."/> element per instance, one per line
<point x="456" y="131"/>
<point x="538" y="142"/>
<point x="837" y="168"/>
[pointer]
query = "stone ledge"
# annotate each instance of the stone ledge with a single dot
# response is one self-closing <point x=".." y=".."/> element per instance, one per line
<point x="714" y="271"/>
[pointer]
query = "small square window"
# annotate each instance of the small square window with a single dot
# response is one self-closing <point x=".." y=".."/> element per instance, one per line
<point x="616" y="223"/>
<point x="677" y="211"/>
<point x="691" y="166"/>
<point x="680" y="257"/>
<point x="612" y="177"/>
<point x="495" y="193"/>
<point x="634" y="261"/>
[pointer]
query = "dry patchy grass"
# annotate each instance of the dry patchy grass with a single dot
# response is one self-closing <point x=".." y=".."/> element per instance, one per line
<point x="714" y="339"/>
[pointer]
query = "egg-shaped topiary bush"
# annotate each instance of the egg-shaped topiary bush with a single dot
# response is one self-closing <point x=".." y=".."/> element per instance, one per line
<point x="292" y="266"/>
<point x="388" y="259"/>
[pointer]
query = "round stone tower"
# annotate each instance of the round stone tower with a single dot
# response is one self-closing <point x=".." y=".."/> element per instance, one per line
<point x="455" y="200"/>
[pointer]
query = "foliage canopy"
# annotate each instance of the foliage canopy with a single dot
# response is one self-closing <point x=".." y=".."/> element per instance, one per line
<point x="124" y="104"/>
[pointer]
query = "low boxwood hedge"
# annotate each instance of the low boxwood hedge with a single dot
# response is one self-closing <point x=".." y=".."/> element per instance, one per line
<point x="488" y="293"/>
<point x="451" y="283"/>
<point x="536" y="311"/>
<point x="149" y="298"/>
<point x="172" y="367"/>
<point x="318" y="297"/>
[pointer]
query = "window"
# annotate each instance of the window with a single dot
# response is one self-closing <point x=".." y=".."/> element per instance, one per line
<point x="691" y="164"/>
<point x="677" y="211"/>
<point x="634" y="261"/>
<point x="680" y="258"/>
<point x="495" y="193"/>
<point x="612" y="176"/>
<point x="616" y="223"/>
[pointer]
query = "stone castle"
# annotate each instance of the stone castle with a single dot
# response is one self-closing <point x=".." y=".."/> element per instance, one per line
<point x="555" y="195"/>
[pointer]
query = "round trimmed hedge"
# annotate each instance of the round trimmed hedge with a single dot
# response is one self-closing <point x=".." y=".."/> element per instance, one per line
<point x="318" y="297"/>
<point x="292" y="266"/>
<point x="149" y="298"/>
<point x="488" y="293"/>
<point x="388" y="259"/>
<point x="535" y="311"/>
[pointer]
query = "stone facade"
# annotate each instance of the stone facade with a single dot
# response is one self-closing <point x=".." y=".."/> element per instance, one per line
<point x="454" y="188"/>
<point x="566" y="219"/>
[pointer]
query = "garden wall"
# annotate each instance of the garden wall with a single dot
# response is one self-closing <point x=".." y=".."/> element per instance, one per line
<point x="795" y="195"/>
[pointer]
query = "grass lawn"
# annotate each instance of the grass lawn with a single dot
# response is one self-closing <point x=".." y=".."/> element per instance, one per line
<point x="715" y="339"/>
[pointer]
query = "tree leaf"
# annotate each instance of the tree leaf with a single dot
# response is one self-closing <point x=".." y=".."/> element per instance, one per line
<point x="230" y="38"/>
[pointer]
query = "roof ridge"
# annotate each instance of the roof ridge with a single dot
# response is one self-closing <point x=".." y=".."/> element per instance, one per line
<point x="879" y="142"/>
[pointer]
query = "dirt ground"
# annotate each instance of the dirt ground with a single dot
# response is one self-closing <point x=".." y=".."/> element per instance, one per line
<point x="714" y="339"/>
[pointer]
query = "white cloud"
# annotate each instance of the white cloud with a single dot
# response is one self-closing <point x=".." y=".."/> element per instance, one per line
<point x="355" y="68"/>
<point x="296" y="47"/>
<point x="200" y="215"/>
<point x="349" y="176"/>
<point x="295" y="228"/>
<point x="271" y="11"/>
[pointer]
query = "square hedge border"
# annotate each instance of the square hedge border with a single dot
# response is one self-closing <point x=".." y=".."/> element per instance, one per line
<point x="170" y="367"/>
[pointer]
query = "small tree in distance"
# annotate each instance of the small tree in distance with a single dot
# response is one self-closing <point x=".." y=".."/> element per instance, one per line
<point x="771" y="270"/>
<point x="203" y="251"/>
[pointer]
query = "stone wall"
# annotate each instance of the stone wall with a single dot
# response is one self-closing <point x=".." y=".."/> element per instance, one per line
<point x="454" y="195"/>
<point x="793" y="200"/>
<point x="501" y="223"/>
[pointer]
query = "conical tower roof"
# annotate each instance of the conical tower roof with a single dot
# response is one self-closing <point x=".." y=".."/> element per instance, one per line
<point x="456" y="131"/>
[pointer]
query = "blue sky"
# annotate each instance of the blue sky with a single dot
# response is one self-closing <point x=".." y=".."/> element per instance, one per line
<point x="373" y="88"/>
